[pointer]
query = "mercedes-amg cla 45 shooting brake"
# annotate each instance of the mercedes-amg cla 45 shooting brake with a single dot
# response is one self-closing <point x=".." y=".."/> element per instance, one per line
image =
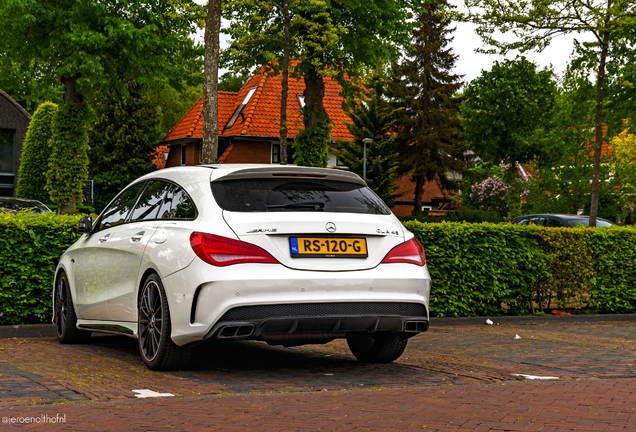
<point x="282" y="254"/>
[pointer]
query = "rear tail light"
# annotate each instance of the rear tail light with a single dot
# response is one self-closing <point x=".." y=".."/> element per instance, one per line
<point x="410" y="252"/>
<point x="223" y="251"/>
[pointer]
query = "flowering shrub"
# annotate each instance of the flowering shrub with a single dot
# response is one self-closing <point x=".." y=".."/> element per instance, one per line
<point x="490" y="194"/>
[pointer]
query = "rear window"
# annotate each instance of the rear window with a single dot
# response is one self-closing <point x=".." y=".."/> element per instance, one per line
<point x="586" y="221"/>
<point x="296" y="195"/>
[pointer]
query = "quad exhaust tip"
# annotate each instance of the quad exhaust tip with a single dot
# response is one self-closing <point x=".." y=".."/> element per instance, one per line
<point x="415" y="326"/>
<point x="237" y="331"/>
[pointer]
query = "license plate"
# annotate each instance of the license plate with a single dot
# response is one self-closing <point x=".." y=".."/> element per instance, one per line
<point x="331" y="247"/>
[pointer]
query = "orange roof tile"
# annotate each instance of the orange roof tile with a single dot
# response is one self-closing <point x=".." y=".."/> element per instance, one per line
<point x="261" y="116"/>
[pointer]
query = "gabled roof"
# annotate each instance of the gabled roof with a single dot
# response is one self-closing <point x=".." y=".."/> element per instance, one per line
<point x="15" y="105"/>
<point x="260" y="117"/>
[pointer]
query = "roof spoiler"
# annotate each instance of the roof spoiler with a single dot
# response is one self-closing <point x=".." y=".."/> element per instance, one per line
<point x="293" y="172"/>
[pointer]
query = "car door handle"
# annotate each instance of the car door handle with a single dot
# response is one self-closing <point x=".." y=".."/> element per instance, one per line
<point x="137" y="236"/>
<point x="103" y="239"/>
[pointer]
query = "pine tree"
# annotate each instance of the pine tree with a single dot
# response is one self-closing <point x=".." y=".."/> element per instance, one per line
<point x="122" y="140"/>
<point x="35" y="155"/>
<point x="429" y="140"/>
<point x="373" y="118"/>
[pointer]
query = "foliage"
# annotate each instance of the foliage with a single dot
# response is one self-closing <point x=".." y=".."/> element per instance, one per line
<point x="506" y="110"/>
<point x="481" y="269"/>
<point x="487" y="269"/>
<point x="173" y="102"/>
<point x="609" y="24"/>
<point x="68" y="163"/>
<point x="327" y="38"/>
<point x="122" y="140"/>
<point x="312" y="143"/>
<point x="624" y="166"/>
<point x="472" y="216"/>
<point x="35" y="154"/>
<point x="232" y="82"/>
<point x="614" y="258"/>
<point x="30" y="247"/>
<point x="27" y="82"/>
<point x="423" y="88"/>
<point x="372" y="117"/>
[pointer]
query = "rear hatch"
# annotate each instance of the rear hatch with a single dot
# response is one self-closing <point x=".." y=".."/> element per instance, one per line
<point x="309" y="219"/>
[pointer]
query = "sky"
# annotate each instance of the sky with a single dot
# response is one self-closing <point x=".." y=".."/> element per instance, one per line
<point x="470" y="64"/>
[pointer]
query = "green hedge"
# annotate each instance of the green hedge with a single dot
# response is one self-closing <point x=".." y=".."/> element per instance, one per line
<point x="30" y="247"/>
<point x="477" y="269"/>
<point x="497" y="269"/>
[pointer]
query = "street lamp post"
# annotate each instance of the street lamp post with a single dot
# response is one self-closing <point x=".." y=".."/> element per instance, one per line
<point x="365" y="141"/>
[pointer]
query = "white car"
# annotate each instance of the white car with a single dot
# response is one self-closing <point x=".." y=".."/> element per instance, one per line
<point x="283" y="254"/>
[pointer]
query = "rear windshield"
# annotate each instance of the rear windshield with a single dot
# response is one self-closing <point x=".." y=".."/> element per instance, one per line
<point x="285" y="195"/>
<point x="586" y="221"/>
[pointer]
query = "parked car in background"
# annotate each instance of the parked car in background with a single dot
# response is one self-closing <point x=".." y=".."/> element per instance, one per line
<point x="283" y="254"/>
<point x="559" y="220"/>
<point x="16" y="205"/>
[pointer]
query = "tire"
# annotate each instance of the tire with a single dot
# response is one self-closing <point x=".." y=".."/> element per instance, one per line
<point x="377" y="348"/>
<point x="156" y="347"/>
<point x="64" y="314"/>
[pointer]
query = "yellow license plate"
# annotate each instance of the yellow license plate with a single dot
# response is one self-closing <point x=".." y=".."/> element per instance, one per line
<point x="328" y="247"/>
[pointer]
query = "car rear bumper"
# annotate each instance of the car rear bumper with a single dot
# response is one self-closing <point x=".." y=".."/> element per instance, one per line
<point x="301" y="323"/>
<point x="270" y="301"/>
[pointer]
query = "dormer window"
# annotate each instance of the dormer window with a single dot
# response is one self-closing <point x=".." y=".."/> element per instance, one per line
<point x="239" y="109"/>
<point x="301" y="100"/>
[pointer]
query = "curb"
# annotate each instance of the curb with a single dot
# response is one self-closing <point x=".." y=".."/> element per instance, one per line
<point x="48" y="330"/>
<point x="531" y="320"/>
<point x="27" y="331"/>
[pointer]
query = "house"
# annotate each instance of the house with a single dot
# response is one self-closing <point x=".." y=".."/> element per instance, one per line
<point x="14" y="121"/>
<point x="249" y="124"/>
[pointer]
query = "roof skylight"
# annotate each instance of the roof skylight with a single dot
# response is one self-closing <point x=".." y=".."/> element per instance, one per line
<point x="239" y="109"/>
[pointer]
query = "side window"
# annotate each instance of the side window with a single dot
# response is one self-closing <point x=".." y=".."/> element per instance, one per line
<point x="554" y="223"/>
<point x="177" y="205"/>
<point x="537" y="221"/>
<point x="116" y="213"/>
<point x="151" y="201"/>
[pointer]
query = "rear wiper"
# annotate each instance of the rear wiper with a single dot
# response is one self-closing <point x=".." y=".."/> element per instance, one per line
<point x="316" y="205"/>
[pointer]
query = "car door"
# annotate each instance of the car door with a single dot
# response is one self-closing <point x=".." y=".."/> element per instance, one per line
<point x="128" y="245"/>
<point x="95" y="264"/>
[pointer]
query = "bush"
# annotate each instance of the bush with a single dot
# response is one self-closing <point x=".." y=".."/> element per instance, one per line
<point x="35" y="155"/>
<point x="474" y="216"/>
<point x="488" y="269"/>
<point x="30" y="247"/>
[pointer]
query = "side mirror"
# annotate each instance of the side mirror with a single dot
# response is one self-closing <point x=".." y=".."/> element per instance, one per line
<point x="85" y="225"/>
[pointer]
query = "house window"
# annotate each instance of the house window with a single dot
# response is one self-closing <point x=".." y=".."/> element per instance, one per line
<point x="200" y="153"/>
<point x="275" y="153"/>
<point x="239" y="109"/>
<point x="340" y="163"/>
<point x="165" y="155"/>
<point x="183" y="155"/>
<point x="6" y="150"/>
<point x="301" y="100"/>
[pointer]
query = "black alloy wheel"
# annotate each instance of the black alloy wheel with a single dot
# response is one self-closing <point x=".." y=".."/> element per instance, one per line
<point x="157" y="349"/>
<point x="65" y="319"/>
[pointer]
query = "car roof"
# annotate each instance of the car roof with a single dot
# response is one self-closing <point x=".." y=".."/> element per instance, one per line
<point x="560" y="216"/>
<point x="19" y="200"/>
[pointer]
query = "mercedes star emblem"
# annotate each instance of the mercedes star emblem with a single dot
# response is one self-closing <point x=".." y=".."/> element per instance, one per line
<point x="331" y="227"/>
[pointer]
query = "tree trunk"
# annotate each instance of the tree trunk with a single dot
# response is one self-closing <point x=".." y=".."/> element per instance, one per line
<point x="314" y="94"/>
<point x="211" y="81"/>
<point x="417" y="199"/>
<point x="70" y="91"/>
<point x="71" y="96"/>
<point x="285" y="86"/>
<point x="598" y="143"/>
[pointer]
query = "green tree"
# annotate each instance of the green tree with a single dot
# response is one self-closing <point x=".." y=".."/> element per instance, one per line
<point x="506" y="111"/>
<point x="75" y="42"/>
<point x="35" y="154"/>
<point x="233" y="82"/>
<point x="373" y="117"/>
<point x="535" y="24"/>
<point x="122" y="140"/>
<point x="424" y="87"/>
<point x="327" y="38"/>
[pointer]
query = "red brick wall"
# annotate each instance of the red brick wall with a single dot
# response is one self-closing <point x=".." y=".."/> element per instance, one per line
<point x="192" y="155"/>
<point x="250" y="152"/>
<point x="430" y="190"/>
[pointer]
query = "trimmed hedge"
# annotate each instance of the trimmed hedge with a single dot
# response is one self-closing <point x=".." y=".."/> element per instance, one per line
<point x="30" y="247"/>
<point x="477" y="269"/>
<point x="497" y="269"/>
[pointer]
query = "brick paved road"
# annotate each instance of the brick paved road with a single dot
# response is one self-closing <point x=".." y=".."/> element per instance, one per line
<point x="449" y="379"/>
